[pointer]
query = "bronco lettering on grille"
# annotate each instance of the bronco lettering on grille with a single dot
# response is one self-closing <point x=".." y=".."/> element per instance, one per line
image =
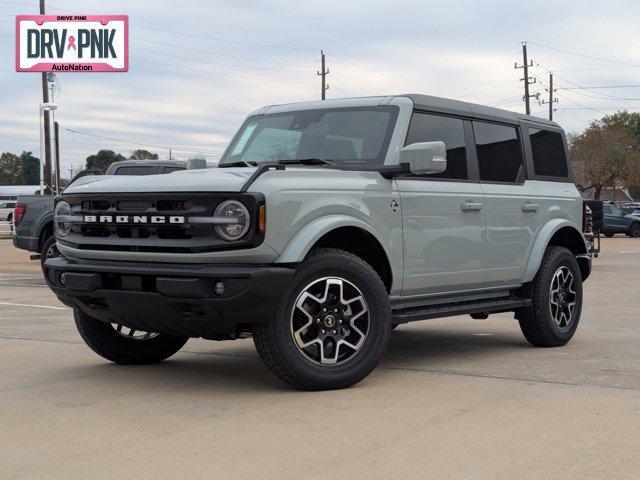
<point x="136" y="219"/>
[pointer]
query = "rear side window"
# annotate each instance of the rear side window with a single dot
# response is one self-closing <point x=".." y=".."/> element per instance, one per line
<point x="432" y="128"/>
<point x="146" y="170"/>
<point x="549" y="157"/>
<point x="173" y="169"/>
<point x="499" y="153"/>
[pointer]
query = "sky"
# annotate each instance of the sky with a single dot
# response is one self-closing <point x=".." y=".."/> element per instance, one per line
<point x="197" y="68"/>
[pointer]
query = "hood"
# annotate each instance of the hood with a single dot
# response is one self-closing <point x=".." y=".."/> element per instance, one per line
<point x="197" y="180"/>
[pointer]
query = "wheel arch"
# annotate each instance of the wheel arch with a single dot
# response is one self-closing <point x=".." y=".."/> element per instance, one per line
<point x="46" y="230"/>
<point x="560" y="233"/>
<point x="345" y="233"/>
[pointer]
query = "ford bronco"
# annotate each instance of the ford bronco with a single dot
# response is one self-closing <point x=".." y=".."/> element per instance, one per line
<point x="325" y="226"/>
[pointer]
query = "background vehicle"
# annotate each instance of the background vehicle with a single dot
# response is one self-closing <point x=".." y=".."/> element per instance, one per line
<point x="326" y="224"/>
<point x="615" y="221"/>
<point x="33" y="228"/>
<point x="6" y="210"/>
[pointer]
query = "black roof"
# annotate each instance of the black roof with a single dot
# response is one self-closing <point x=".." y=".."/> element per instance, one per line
<point x="473" y="110"/>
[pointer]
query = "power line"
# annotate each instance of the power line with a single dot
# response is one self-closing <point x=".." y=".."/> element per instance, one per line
<point x="180" y="149"/>
<point x="602" y="86"/>
<point x="211" y="52"/>
<point x="181" y="57"/>
<point x="218" y="39"/>
<point x="182" y="67"/>
<point x="584" y="55"/>
<point x="406" y="79"/>
<point x="486" y="89"/>
<point x="602" y="96"/>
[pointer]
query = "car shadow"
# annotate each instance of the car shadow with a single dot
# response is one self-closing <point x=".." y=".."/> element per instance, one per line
<point x="206" y="372"/>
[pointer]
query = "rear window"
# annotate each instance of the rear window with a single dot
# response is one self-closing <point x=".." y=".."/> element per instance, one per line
<point x="549" y="159"/>
<point x="146" y="170"/>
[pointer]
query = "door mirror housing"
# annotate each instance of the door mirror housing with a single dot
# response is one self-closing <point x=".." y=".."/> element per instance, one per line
<point x="425" y="157"/>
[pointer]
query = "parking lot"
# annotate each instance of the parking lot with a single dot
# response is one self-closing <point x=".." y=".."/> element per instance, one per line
<point x="453" y="398"/>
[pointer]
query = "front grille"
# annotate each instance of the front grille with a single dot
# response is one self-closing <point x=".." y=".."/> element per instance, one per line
<point x="148" y="237"/>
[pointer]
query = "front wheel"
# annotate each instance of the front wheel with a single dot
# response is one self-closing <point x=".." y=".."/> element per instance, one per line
<point x="556" y="300"/>
<point x="634" y="230"/>
<point x="49" y="250"/>
<point x="124" y="345"/>
<point x="332" y="327"/>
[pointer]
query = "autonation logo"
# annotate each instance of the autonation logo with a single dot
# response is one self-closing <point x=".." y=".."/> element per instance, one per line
<point x="72" y="43"/>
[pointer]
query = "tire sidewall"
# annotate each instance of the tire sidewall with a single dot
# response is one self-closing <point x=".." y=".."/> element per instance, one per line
<point x="366" y="359"/>
<point x="561" y="257"/>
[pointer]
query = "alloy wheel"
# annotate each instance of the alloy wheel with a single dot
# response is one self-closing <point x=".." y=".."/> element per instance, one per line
<point x="562" y="297"/>
<point x="132" y="333"/>
<point x="330" y="321"/>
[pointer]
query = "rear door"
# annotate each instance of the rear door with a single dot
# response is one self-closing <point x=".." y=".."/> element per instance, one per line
<point x="512" y="208"/>
<point x="443" y="214"/>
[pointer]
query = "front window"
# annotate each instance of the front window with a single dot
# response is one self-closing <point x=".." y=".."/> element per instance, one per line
<point x="347" y="136"/>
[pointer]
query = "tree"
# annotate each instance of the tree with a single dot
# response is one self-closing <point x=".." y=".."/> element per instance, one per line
<point x="10" y="169"/>
<point x="605" y="153"/>
<point x="143" y="155"/>
<point x="102" y="160"/>
<point x="30" y="169"/>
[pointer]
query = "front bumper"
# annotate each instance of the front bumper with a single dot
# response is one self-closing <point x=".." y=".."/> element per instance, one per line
<point x="175" y="299"/>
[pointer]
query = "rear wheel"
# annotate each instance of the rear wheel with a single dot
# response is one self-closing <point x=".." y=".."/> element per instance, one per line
<point x="124" y="345"/>
<point x="634" y="230"/>
<point x="608" y="234"/>
<point x="332" y="327"/>
<point x="556" y="300"/>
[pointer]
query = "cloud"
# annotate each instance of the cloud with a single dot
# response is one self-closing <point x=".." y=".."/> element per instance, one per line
<point x="458" y="48"/>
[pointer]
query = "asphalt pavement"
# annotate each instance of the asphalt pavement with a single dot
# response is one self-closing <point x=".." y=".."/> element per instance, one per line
<point x="454" y="398"/>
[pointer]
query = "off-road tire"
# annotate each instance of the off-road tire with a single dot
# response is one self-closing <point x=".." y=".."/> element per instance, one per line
<point x="48" y="244"/>
<point x="103" y="339"/>
<point x="275" y="343"/>
<point x="536" y="321"/>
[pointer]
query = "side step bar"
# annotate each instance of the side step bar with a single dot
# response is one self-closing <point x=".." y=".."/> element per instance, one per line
<point x="458" y="308"/>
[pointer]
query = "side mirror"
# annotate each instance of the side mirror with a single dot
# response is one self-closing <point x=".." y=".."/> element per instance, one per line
<point x="425" y="157"/>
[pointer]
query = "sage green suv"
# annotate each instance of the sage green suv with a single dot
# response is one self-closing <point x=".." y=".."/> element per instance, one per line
<point x="326" y="225"/>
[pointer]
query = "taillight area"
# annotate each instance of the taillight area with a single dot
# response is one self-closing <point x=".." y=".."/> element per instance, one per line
<point x="587" y="219"/>
<point x="18" y="213"/>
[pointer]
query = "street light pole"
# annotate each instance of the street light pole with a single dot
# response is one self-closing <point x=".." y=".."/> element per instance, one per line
<point x="44" y="107"/>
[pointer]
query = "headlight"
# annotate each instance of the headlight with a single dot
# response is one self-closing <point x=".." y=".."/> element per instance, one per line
<point x="62" y="228"/>
<point x="238" y="217"/>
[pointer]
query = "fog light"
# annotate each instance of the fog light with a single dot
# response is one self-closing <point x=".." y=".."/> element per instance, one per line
<point x="218" y="288"/>
<point x="63" y="279"/>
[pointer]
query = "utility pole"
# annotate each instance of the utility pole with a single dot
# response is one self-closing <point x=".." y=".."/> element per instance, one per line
<point x="551" y="100"/>
<point x="323" y="74"/>
<point x="47" y="126"/>
<point x="527" y="80"/>
<point x="56" y="130"/>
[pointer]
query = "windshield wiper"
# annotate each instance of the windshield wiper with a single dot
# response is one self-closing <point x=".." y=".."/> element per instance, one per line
<point x="307" y="161"/>
<point x="238" y="164"/>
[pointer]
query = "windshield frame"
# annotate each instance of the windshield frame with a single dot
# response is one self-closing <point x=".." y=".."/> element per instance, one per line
<point x="379" y="160"/>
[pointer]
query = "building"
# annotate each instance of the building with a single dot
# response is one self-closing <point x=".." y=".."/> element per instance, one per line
<point x="11" y="192"/>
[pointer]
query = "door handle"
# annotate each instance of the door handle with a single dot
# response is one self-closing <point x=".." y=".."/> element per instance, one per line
<point x="471" y="206"/>
<point x="530" y="207"/>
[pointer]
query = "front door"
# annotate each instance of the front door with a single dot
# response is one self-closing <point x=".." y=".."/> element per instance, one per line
<point x="443" y="214"/>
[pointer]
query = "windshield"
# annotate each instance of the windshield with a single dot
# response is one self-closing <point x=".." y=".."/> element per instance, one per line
<point x="347" y="136"/>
